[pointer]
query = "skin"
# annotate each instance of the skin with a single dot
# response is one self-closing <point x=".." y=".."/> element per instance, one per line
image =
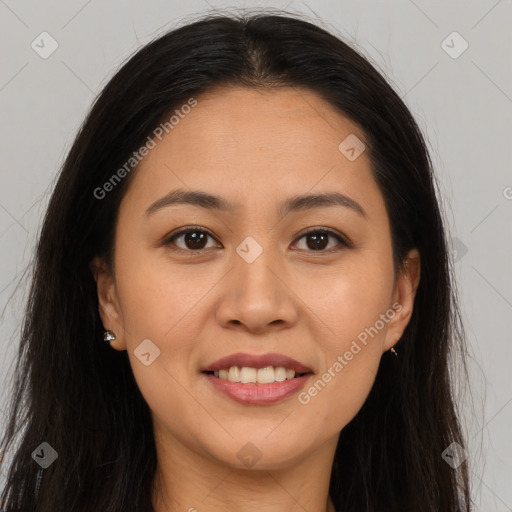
<point x="255" y="148"/>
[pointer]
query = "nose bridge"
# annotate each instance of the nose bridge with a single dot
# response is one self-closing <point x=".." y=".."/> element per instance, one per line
<point x="256" y="296"/>
<point x="253" y="261"/>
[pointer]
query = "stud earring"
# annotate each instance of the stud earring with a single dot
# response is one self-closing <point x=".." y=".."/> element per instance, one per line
<point x="109" y="336"/>
<point x="394" y="351"/>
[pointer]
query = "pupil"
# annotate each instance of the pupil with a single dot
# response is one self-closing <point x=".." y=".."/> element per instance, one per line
<point x="319" y="241"/>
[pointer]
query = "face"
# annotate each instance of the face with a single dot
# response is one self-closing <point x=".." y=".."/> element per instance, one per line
<point x="239" y="275"/>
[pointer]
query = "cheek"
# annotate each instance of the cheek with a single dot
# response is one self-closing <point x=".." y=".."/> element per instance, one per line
<point x="158" y="305"/>
<point x="347" y="300"/>
<point x="165" y="304"/>
<point x="153" y="295"/>
<point x="335" y="396"/>
<point x="351" y="349"/>
<point x="363" y="301"/>
<point x="352" y="308"/>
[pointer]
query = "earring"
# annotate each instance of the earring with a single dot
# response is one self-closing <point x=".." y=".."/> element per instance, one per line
<point x="109" y="336"/>
<point x="394" y="351"/>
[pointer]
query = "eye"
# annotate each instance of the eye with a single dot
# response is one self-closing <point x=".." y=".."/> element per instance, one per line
<point x="191" y="238"/>
<point x="317" y="239"/>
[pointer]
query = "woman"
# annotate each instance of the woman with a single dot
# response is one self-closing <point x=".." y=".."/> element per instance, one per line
<point x="241" y="297"/>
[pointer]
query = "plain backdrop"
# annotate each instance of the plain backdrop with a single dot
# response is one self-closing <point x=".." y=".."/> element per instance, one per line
<point x="458" y="87"/>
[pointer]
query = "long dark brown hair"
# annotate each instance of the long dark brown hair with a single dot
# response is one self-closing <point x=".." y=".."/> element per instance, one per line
<point x="74" y="392"/>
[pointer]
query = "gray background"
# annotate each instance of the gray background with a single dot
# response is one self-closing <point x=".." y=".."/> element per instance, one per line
<point x="463" y="105"/>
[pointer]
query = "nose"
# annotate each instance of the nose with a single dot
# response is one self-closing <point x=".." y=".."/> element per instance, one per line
<point x="257" y="296"/>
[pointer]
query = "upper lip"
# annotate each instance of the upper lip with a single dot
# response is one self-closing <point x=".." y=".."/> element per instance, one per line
<point x="257" y="361"/>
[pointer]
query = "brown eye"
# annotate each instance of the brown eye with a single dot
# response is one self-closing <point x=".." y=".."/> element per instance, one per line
<point x="191" y="239"/>
<point x="319" y="239"/>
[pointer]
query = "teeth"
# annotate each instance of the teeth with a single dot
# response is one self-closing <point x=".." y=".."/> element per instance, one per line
<point x="265" y="375"/>
<point x="280" y="374"/>
<point x="234" y="374"/>
<point x="248" y="375"/>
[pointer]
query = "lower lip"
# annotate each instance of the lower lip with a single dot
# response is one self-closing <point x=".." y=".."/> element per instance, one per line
<point x="258" y="394"/>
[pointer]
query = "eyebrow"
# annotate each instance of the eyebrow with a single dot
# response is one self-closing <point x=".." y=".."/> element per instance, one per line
<point x="292" y="204"/>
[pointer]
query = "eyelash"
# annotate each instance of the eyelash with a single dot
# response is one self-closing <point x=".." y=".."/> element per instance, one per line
<point x="197" y="229"/>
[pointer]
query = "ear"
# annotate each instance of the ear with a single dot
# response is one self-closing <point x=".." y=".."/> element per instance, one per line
<point x="403" y="298"/>
<point x="108" y="304"/>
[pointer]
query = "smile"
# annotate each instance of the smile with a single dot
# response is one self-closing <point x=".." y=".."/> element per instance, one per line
<point x="257" y="379"/>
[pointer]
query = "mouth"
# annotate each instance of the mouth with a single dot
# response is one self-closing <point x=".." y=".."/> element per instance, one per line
<point x="257" y="379"/>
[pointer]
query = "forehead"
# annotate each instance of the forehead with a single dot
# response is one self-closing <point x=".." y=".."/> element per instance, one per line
<point x="238" y="142"/>
<point x="283" y="117"/>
